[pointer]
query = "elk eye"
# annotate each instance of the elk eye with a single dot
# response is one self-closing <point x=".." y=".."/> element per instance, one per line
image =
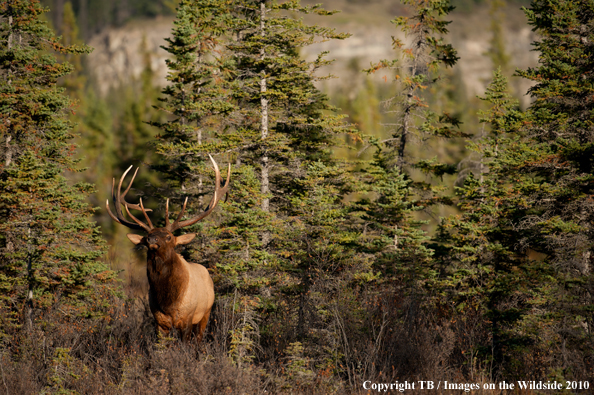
<point x="168" y="238"/>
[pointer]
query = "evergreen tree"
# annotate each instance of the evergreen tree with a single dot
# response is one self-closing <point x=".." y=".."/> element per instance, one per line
<point x="240" y="89"/>
<point x="485" y="276"/>
<point x="49" y="248"/>
<point x="524" y="240"/>
<point x="394" y="231"/>
<point x="422" y="59"/>
<point x="276" y="87"/>
<point x="290" y="130"/>
<point x="197" y="97"/>
<point x="557" y="176"/>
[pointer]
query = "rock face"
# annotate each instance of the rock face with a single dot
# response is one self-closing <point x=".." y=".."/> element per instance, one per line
<point x="120" y="54"/>
<point x="470" y="35"/>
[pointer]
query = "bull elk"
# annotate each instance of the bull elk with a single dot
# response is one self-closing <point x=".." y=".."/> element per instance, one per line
<point x="181" y="293"/>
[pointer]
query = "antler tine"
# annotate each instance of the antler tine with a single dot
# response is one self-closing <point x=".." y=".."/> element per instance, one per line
<point x="119" y="199"/>
<point x="175" y="226"/>
<point x="218" y="193"/>
<point x="148" y="220"/>
<point x="111" y="214"/>
<point x="167" y="214"/>
<point x="122" y="196"/>
<point x="129" y="184"/>
<point x="140" y="223"/>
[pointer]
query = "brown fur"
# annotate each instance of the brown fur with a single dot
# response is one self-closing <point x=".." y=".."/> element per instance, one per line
<point x="181" y="293"/>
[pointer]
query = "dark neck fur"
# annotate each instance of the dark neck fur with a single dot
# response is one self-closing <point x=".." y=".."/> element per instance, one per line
<point x="167" y="277"/>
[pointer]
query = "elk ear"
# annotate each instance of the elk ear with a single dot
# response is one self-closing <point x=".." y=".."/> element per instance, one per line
<point x="136" y="239"/>
<point x="184" y="239"/>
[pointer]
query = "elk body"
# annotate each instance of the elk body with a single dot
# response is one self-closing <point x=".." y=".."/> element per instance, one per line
<point x="181" y="293"/>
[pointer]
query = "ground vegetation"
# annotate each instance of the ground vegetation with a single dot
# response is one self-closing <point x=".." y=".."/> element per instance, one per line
<point x="408" y="240"/>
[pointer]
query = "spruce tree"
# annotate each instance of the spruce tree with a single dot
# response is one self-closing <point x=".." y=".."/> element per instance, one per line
<point x="558" y="177"/>
<point x="484" y="276"/>
<point x="290" y="131"/>
<point x="284" y="123"/>
<point x="196" y="98"/>
<point x="394" y="179"/>
<point x="241" y="91"/>
<point x="417" y="69"/>
<point x="49" y="247"/>
<point x="524" y="239"/>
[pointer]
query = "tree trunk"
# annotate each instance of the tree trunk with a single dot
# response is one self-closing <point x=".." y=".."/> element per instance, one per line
<point x="265" y="184"/>
<point x="8" y="157"/>
<point x="83" y="14"/>
<point x="58" y="12"/>
<point x="29" y="299"/>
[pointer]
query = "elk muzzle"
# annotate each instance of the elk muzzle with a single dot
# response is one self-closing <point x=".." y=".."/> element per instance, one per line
<point x="152" y="243"/>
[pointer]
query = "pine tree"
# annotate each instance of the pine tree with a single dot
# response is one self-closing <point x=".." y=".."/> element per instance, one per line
<point x="49" y="247"/>
<point x="393" y="229"/>
<point x="484" y="275"/>
<point x="276" y="86"/>
<point x="290" y="130"/>
<point x="558" y="175"/>
<point x="197" y="97"/>
<point x="241" y="91"/>
<point x="422" y="59"/>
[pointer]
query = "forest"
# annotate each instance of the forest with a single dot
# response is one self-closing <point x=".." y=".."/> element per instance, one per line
<point x="404" y="233"/>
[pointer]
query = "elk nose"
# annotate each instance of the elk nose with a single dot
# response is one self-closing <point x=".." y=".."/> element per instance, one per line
<point x="152" y="243"/>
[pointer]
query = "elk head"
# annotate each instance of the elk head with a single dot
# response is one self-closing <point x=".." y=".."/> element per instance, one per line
<point x="181" y="294"/>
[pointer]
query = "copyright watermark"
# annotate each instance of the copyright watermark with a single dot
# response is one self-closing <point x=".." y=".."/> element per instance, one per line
<point x="467" y="387"/>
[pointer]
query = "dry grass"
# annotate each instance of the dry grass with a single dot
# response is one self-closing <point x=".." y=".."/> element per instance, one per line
<point x="381" y="336"/>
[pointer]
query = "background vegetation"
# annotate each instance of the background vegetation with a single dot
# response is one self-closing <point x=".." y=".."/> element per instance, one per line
<point x="413" y="235"/>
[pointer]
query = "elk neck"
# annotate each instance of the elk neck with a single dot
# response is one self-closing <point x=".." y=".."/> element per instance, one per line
<point x="168" y="277"/>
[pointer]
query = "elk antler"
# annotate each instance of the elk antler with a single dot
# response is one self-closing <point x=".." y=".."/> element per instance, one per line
<point x="118" y="200"/>
<point x="216" y="197"/>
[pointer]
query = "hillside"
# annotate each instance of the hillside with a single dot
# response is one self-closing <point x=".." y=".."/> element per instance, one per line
<point x="118" y="54"/>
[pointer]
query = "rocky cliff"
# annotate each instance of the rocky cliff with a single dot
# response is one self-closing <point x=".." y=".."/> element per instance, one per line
<point x="119" y="53"/>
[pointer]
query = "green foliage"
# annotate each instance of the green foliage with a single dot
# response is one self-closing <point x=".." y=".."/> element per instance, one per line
<point x="197" y="96"/>
<point x="484" y="270"/>
<point x="392" y="233"/>
<point x="324" y="266"/>
<point x="519" y="254"/>
<point x="395" y="194"/>
<point x="49" y="247"/>
<point x="319" y="258"/>
<point x="244" y="338"/>
<point x="559" y="131"/>
<point x="414" y="73"/>
<point x="64" y="368"/>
